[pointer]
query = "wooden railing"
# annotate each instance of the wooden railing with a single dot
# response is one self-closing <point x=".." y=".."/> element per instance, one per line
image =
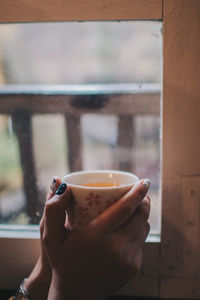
<point x="22" y="102"/>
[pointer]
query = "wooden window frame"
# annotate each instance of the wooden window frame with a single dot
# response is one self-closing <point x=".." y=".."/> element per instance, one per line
<point x="171" y="266"/>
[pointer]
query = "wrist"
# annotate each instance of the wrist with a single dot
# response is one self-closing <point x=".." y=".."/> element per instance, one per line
<point x="68" y="291"/>
<point x="21" y="293"/>
<point x="55" y="294"/>
<point x="38" y="283"/>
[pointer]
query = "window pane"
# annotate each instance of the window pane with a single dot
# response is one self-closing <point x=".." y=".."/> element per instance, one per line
<point x="141" y="156"/>
<point x="73" y="53"/>
<point x="12" y="196"/>
<point x="92" y="132"/>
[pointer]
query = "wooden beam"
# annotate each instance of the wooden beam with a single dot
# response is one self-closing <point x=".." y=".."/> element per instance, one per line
<point x="148" y="276"/>
<point x="113" y="100"/>
<point x="125" y="143"/>
<point x="114" y="104"/>
<point x="74" y="142"/>
<point x="180" y="288"/>
<point x="17" y="269"/>
<point x="13" y="11"/>
<point x="23" y="127"/>
<point x="181" y="148"/>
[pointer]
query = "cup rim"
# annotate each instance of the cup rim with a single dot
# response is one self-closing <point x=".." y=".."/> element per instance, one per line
<point x="135" y="179"/>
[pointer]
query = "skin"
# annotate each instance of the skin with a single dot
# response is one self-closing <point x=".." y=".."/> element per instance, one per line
<point x="38" y="283"/>
<point x="100" y="257"/>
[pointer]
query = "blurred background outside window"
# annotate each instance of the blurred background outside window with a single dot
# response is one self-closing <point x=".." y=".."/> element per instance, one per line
<point x="87" y="53"/>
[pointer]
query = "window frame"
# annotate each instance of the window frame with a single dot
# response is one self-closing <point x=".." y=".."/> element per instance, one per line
<point x="170" y="268"/>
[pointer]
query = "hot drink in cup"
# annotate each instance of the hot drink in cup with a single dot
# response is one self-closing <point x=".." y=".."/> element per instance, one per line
<point x="95" y="191"/>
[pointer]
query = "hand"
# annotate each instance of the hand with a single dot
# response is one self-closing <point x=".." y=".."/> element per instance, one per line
<point x="99" y="258"/>
<point x="38" y="282"/>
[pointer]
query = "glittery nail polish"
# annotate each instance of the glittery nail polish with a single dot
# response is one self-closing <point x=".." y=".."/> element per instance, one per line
<point x="53" y="185"/>
<point x="147" y="183"/>
<point x="61" y="189"/>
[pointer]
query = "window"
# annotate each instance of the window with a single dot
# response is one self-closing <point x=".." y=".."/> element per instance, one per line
<point x="119" y="64"/>
<point x="169" y="265"/>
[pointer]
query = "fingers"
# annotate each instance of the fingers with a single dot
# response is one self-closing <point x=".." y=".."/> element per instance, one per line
<point x="56" y="181"/>
<point x="133" y="226"/>
<point x="139" y="240"/>
<point x="54" y="217"/>
<point x="119" y="213"/>
<point x="134" y="251"/>
<point x="136" y="263"/>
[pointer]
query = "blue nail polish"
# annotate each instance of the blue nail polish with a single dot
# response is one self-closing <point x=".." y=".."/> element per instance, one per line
<point x="61" y="189"/>
<point x="54" y="180"/>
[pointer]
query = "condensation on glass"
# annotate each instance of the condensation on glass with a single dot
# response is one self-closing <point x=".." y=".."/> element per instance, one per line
<point x="109" y="56"/>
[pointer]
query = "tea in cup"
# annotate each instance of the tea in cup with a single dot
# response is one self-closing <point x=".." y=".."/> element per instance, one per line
<point x="95" y="191"/>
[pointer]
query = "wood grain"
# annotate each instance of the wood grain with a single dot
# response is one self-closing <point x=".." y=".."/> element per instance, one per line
<point x="181" y="147"/>
<point x="78" y="10"/>
<point x="74" y="142"/>
<point x="20" y="248"/>
<point x="180" y="288"/>
<point x="22" y="124"/>
<point x="143" y="100"/>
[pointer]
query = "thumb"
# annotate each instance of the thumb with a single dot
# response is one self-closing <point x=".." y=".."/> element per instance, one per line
<point x="120" y="212"/>
<point x="54" y="218"/>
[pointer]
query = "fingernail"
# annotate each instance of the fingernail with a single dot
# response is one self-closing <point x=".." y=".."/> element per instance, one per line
<point x="53" y="185"/>
<point x="147" y="183"/>
<point x="61" y="189"/>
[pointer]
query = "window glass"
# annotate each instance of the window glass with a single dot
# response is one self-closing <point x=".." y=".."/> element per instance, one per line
<point x="111" y="56"/>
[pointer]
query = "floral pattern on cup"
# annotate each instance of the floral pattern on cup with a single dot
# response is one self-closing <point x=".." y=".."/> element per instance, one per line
<point x="90" y="202"/>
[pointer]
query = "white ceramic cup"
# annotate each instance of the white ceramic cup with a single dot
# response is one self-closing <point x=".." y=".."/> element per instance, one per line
<point x="91" y="201"/>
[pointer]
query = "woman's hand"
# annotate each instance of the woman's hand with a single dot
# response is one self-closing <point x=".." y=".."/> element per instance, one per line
<point x="100" y="257"/>
<point x="38" y="282"/>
